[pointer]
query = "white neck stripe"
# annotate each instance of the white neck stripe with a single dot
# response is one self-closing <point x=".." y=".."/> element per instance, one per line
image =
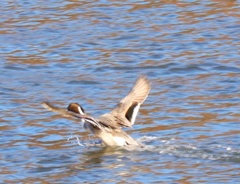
<point x="80" y="111"/>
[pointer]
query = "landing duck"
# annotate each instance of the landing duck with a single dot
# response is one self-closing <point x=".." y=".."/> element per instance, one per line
<point x="108" y="127"/>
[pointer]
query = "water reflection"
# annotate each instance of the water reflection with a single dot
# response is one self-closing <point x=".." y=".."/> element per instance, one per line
<point x="90" y="53"/>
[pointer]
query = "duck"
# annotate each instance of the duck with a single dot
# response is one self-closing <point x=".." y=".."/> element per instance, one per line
<point x="108" y="127"/>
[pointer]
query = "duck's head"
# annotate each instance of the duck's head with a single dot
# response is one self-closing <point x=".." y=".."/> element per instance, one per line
<point x="76" y="108"/>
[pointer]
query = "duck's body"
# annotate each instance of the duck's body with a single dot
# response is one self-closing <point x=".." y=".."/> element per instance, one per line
<point x="108" y="126"/>
<point x="112" y="137"/>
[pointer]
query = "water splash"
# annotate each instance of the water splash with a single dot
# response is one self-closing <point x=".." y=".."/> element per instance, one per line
<point x="187" y="150"/>
<point x="170" y="146"/>
<point x="89" y="142"/>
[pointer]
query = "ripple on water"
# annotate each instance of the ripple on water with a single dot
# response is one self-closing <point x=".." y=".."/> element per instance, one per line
<point x="172" y="147"/>
<point x="91" y="52"/>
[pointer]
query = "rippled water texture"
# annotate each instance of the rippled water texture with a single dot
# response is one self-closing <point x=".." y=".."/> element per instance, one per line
<point x="91" y="52"/>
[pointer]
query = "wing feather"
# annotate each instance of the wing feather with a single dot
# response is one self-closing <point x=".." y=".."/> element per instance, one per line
<point x="129" y="105"/>
<point x="69" y="114"/>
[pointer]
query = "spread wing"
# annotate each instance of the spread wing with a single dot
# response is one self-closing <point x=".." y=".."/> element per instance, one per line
<point x="57" y="110"/>
<point x="130" y="105"/>
<point x="72" y="115"/>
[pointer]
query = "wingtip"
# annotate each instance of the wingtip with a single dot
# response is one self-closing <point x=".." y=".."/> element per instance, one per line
<point x="48" y="106"/>
<point x="145" y="79"/>
<point x="143" y="76"/>
<point x="45" y="104"/>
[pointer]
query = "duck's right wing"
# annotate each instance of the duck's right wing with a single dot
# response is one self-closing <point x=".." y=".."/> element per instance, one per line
<point x="130" y="105"/>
